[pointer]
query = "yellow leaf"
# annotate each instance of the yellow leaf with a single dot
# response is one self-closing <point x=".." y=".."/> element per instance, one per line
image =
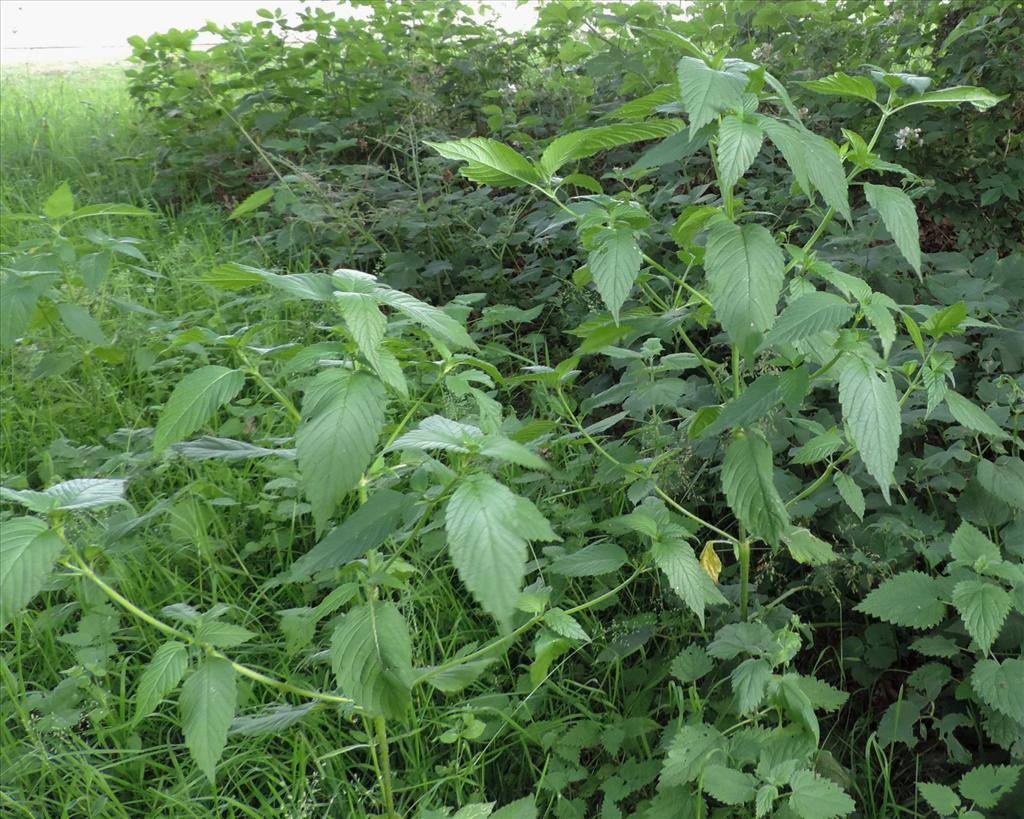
<point x="710" y="561"/>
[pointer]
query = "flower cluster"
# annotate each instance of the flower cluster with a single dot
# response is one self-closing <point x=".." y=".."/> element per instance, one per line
<point x="908" y="136"/>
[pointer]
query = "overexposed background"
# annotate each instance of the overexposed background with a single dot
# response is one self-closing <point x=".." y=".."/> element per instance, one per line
<point x="94" y="32"/>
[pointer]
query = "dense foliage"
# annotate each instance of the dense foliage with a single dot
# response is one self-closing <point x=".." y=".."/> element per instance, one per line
<point x="621" y="418"/>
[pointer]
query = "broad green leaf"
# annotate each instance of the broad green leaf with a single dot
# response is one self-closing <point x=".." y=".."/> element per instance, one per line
<point x="943" y="800"/>
<point x="432" y="319"/>
<point x="60" y="203"/>
<point x="615" y="264"/>
<point x="822" y="695"/>
<point x="764" y="800"/>
<point x="750" y="490"/>
<point x="749" y="681"/>
<point x="843" y="85"/>
<point x="878" y="314"/>
<point x="740" y="638"/>
<point x="899" y="217"/>
<point x="814" y="797"/>
<point x="272" y="720"/>
<point x="112" y="209"/>
<point x="946" y="321"/>
<point x="79" y="323"/>
<point x="565" y="625"/>
<point x="591" y="561"/>
<point x="194" y="399"/>
<point x="207" y="705"/>
<point x="986" y="785"/>
<point x="692" y="747"/>
<point x="645" y="106"/>
<point x="728" y="785"/>
<point x="978" y="97"/>
<point x="589" y="141"/>
<point x="685" y="575"/>
<point x="367" y="324"/>
<point x="706" y="91"/>
<point x="744" y="270"/>
<point x="222" y="635"/>
<point x="438" y="432"/>
<point x="371" y="654"/>
<point x="790" y="696"/>
<point x="851" y="493"/>
<point x="1003" y="478"/>
<point x="80" y="493"/>
<point x="365" y="529"/>
<point x="970" y="546"/>
<point x="753" y="404"/>
<point x="453" y="679"/>
<point x="28" y="550"/>
<point x="739" y="142"/>
<point x="252" y="202"/>
<point x="819" y="447"/>
<point x="983" y="606"/>
<point x="807" y="316"/>
<point x="525" y="808"/>
<point x="484" y="521"/>
<point x="970" y="415"/>
<point x="505" y="449"/>
<point x="871" y="415"/>
<point x="910" y="599"/>
<point x="163" y="672"/>
<point x="691" y="664"/>
<point x="19" y="294"/>
<point x="489" y="162"/>
<point x="210" y="448"/>
<point x="998" y="686"/>
<point x="815" y="163"/>
<point x="806" y="548"/>
<point x="337" y="438"/>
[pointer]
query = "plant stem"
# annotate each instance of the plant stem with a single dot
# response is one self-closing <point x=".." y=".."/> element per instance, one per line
<point x="387" y="788"/>
<point x="744" y="555"/>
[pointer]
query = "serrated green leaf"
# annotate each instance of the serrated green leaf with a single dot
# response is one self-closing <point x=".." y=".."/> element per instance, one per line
<point x="706" y="91"/>
<point x="591" y="561"/>
<point x="739" y="142"/>
<point x="807" y="316"/>
<point x="614" y="265"/>
<point x="899" y="217"/>
<point x="749" y="681"/>
<point x="843" y="85"/>
<point x="740" y="638"/>
<point x="749" y="488"/>
<point x="565" y="625"/>
<point x="194" y="399"/>
<point x="872" y="417"/>
<point x="881" y="319"/>
<point x="455" y="678"/>
<point x="223" y="635"/>
<point x="368" y="325"/>
<point x="207" y="705"/>
<point x="28" y="550"/>
<point x="851" y="493"/>
<point x="685" y="575"/>
<point x="978" y="97"/>
<point x="691" y="664"/>
<point x="814" y="797"/>
<point x="970" y="415"/>
<point x="432" y="319"/>
<point x="271" y="720"/>
<point x="254" y="201"/>
<point x="343" y="414"/>
<point x="942" y="800"/>
<point x="909" y="599"/>
<point x="688" y="753"/>
<point x="819" y="447"/>
<point x="823" y="697"/>
<point x="371" y="654"/>
<point x="1004" y="478"/>
<point x="163" y="673"/>
<point x="806" y="548"/>
<point x="525" y="808"/>
<point x="983" y="606"/>
<point x="60" y="203"/>
<point x="998" y="686"/>
<point x="489" y="162"/>
<point x="79" y="323"/>
<point x="815" y="163"/>
<point x="986" y="785"/>
<point x="754" y="403"/>
<point x="589" y="141"/>
<point x="727" y="785"/>
<point x="486" y="543"/>
<point x="19" y="295"/>
<point x="744" y="270"/>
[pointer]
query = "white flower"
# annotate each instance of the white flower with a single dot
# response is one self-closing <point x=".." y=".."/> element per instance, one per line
<point x="908" y="136"/>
